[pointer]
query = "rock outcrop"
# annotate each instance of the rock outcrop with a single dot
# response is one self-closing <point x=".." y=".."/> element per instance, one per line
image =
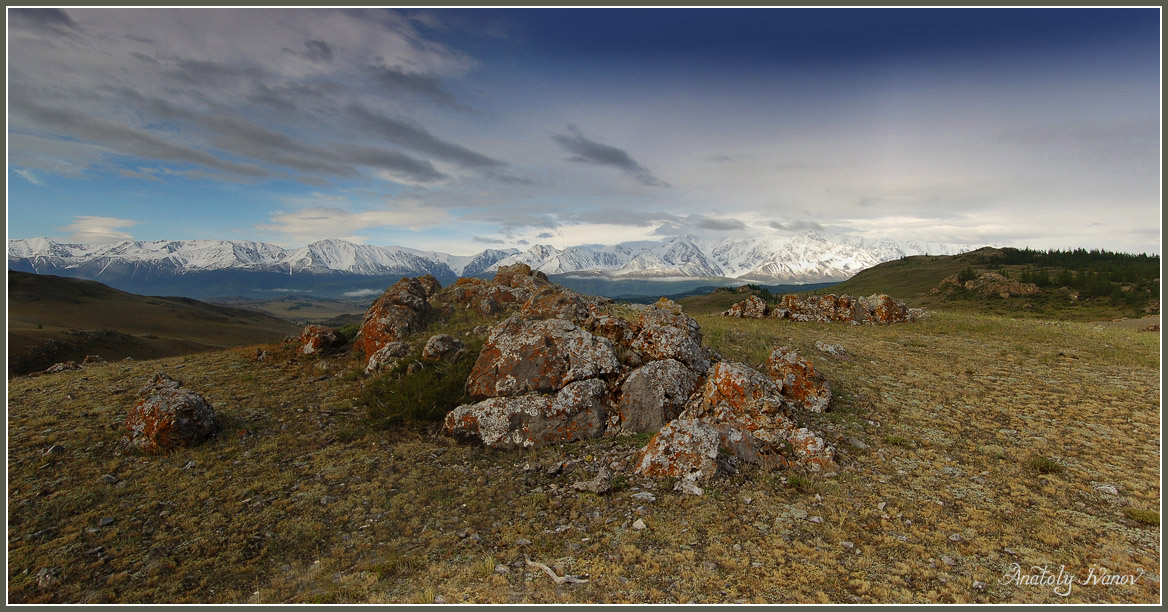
<point x="168" y="415"/>
<point x="318" y="339"/>
<point x="399" y="312"/>
<point x="751" y="308"/>
<point x="64" y="366"/>
<point x="873" y="310"/>
<point x="800" y="382"/>
<point x="987" y="284"/>
<point x="386" y="357"/>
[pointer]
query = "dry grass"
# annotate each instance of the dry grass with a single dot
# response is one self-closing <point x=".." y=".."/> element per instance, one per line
<point x="296" y="501"/>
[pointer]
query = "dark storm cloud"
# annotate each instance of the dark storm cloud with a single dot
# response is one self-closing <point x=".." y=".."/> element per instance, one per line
<point x="318" y="51"/>
<point x="43" y="19"/>
<point x="796" y="226"/>
<point x="418" y="139"/>
<point x="587" y="151"/>
<point x="397" y="80"/>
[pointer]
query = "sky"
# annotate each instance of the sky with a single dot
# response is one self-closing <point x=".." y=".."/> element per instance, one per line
<point x="459" y="130"/>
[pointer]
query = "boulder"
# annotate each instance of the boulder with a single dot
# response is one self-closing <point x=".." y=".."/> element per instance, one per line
<point x="399" y="312"/>
<point x="800" y="382"/>
<point x="885" y="309"/>
<point x="683" y="448"/>
<point x="168" y="415"/>
<point x="318" y="339"/>
<point x="520" y="275"/>
<point x="615" y="328"/>
<point x="522" y="356"/>
<point x="554" y="302"/>
<point x="92" y="359"/>
<point x="752" y="307"/>
<point x="668" y="333"/>
<point x="439" y="346"/>
<point x="575" y="413"/>
<point x="430" y="285"/>
<point x="875" y="309"/>
<point x="652" y="396"/>
<point x="386" y="357"/>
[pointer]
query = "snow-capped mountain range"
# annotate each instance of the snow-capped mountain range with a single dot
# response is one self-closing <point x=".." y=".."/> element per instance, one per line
<point x="808" y="257"/>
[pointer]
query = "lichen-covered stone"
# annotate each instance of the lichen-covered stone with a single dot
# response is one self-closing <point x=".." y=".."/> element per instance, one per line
<point x="386" y="357"/>
<point x="652" y="396"/>
<point x="168" y="415"/>
<point x="575" y="413"/>
<point x="683" y="448"/>
<point x="439" y="346"/>
<point x="522" y="356"/>
<point x="318" y="338"/>
<point x="668" y="333"/>
<point x="800" y="382"/>
<point x="399" y="312"/>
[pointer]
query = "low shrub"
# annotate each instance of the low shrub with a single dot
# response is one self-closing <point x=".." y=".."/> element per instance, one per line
<point x="398" y="398"/>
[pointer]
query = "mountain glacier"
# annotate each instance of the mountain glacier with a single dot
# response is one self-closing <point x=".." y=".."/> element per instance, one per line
<point x="808" y="257"/>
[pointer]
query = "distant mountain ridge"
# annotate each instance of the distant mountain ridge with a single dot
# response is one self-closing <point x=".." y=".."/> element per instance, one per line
<point x="808" y="257"/>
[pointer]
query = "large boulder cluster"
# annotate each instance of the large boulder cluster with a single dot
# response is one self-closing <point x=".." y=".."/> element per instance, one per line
<point x="572" y="370"/>
<point x="399" y="312"/>
<point x="876" y="309"/>
<point x="168" y="415"/>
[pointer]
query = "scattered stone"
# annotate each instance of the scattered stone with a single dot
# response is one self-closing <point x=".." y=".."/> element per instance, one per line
<point x="978" y="585"/>
<point x="834" y="350"/>
<point x="1010" y="551"/>
<point x="955" y="537"/>
<point x="168" y="415"/>
<point x="815" y="519"/>
<point x="848" y="545"/>
<point x="91" y="359"/>
<point x="880" y="506"/>
<point x="438" y="599"/>
<point x="502" y="569"/>
<point x="644" y="496"/>
<point x="48" y="577"/>
<point x="439" y="346"/>
<point x="523" y="542"/>
<point x="598" y="485"/>
<point x="688" y="486"/>
<point x="1107" y="489"/>
<point x="1154" y="327"/>
<point x="858" y="443"/>
<point x="62" y="367"/>
<point x="109" y="479"/>
<point x="55" y="449"/>
<point x="947" y="560"/>
<point x="639" y="524"/>
<point x="105" y="521"/>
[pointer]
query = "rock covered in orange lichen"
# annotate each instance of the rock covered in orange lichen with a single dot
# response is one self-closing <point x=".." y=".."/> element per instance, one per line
<point x="168" y="415"/>
<point x="399" y="312"/>
<point x="752" y="308"/>
<point x="522" y="356"/>
<point x="800" y="382"/>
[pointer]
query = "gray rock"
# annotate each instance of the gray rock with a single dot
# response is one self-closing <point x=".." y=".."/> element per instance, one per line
<point x="652" y="396"/>
<point x="440" y="346"/>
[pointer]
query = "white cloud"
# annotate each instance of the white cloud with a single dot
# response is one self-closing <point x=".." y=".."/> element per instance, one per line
<point x="318" y="222"/>
<point x="89" y="230"/>
<point x="361" y="293"/>
<point x="29" y="176"/>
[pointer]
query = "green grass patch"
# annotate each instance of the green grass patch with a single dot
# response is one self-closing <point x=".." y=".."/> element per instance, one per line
<point x="1143" y="517"/>
<point x="1045" y="465"/>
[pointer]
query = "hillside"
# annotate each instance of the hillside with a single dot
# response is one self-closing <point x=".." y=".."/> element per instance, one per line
<point x="1074" y="285"/>
<point x="53" y="319"/>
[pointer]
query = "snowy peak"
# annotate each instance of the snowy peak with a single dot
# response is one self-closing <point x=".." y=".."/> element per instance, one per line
<point x="805" y="257"/>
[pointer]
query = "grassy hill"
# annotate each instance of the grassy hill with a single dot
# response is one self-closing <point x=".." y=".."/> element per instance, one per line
<point x="305" y="308"/>
<point x="1070" y="285"/>
<point x="49" y="315"/>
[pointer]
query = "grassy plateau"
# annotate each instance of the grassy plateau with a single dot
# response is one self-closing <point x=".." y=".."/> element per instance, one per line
<point x="968" y="442"/>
